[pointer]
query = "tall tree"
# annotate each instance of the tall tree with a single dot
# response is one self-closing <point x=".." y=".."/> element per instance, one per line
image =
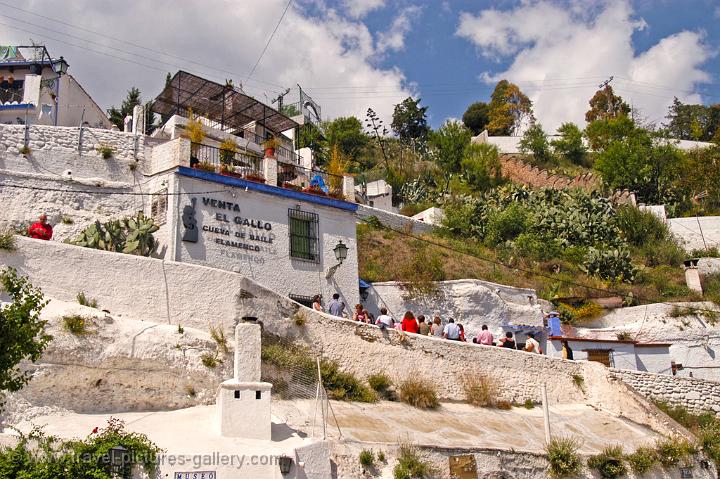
<point x="409" y="121"/>
<point x="347" y="135"/>
<point x="477" y="117"/>
<point x="447" y="145"/>
<point x="117" y="116"/>
<point x="570" y="144"/>
<point x="606" y="104"/>
<point x="693" y="122"/>
<point x="510" y="109"/>
<point x="22" y="332"/>
<point x="535" y="141"/>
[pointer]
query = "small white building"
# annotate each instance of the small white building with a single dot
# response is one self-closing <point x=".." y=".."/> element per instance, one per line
<point x="431" y="216"/>
<point x="378" y="194"/>
<point x="36" y="89"/>
<point x="616" y="353"/>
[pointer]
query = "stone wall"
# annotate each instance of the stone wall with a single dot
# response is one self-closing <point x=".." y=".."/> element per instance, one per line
<point x="697" y="395"/>
<point x="517" y="170"/>
<point x="392" y="220"/>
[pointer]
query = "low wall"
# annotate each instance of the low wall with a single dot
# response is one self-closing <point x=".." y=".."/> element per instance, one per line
<point x="697" y="395"/>
<point x="197" y="296"/>
<point x="392" y="220"/>
<point x="517" y="170"/>
<point x="696" y="233"/>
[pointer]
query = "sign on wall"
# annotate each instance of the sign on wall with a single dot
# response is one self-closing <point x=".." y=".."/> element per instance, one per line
<point x="196" y="475"/>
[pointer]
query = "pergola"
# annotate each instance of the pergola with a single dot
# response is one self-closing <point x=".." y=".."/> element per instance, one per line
<point x="223" y="104"/>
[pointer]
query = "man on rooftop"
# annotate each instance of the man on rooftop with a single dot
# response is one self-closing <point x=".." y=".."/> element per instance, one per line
<point x="41" y="230"/>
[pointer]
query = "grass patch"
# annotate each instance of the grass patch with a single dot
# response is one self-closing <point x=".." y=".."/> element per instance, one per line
<point x="579" y="381"/>
<point x="299" y="319"/>
<point x="480" y="391"/>
<point x="367" y="458"/>
<point x="563" y="457"/>
<point x="410" y="465"/>
<point x="218" y="335"/>
<point x="673" y="450"/>
<point x="609" y="463"/>
<point x="528" y="404"/>
<point x="642" y="460"/>
<point x="85" y="301"/>
<point x="419" y="392"/>
<point x="209" y="360"/>
<point x="190" y="390"/>
<point x="7" y="241"/>
<point x="106" y="151"/>
<point x="67" y="220"/>
<point x="76" y="324"/>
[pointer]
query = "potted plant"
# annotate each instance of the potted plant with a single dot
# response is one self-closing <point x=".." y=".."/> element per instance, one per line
<point x="256" y="177"/>
<point x="229" y="170"/>
<point x="270" y="145"/>
<point x="205" y="165"/>
<point x="196" y="134"/>
<point x="291" y="186"/>
<point x="314" y="190"/>
<point x="228" y="149"/>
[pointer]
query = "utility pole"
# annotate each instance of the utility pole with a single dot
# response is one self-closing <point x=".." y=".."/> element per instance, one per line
<point x="279" y="99"/>
<point x="602" y="86"/>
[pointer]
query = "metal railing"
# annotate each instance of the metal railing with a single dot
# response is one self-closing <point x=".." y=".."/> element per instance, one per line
<point x="237" y="163"/>
<point x="287" y="156"/>
<point x="297" y="177"/>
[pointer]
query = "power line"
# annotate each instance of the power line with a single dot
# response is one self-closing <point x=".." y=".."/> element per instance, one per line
<point x="269" y="40"/>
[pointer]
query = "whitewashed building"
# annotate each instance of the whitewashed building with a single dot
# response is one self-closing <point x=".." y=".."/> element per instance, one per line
<point x="616" y="353"/>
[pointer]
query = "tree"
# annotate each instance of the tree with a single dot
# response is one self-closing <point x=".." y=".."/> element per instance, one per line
<point x="693" y="122"/>
<point x="476" y="117"/>
<point x="605" y="104"/>
<point x="409" y="121"/>
<point x="700" y="178"/>
<point x="570" y="144"/>
<point x="347" y="135"/>
<point x="126" y="108"/>
<point x="22" y="332"/>
<point x="509" y="108"/>
<point x="481" y="166"/>
<point x="448" y="144"/>
<point x="600" y="133"/>
<point x="535" y="141"/>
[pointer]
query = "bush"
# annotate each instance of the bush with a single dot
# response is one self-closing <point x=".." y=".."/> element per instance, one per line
<point x="106" y="151"/>
<point x="612" y="265"/>
<point x="7" y="241"/>
<point x="576" y="314"/>
<point x="419" y="392"/>
<point x="209" y="360"/>
<point x="529" y="404"/>
<point x="562" y="453"/>
<point x="641" y="227"/>
<point x="506" y="225"/>
<point x="410" y="465"/>
<point x="672" y="450"/>
<point x="344" y="386"/>
<point x="379" y="382"/>
<point x="480" y="391"/>
<point x="76" y="324"/>
<point x="642" y="460"/>
<point x="609" y="463"/>
<point x="129" y="235"/>
<point x="367" y="458"/>
<point x="218" y="335"/>
<point x="85" y="301"/>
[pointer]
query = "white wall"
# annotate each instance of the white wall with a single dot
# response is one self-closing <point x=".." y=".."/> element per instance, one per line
<point x="271" y="265"/>
<point x="623" y="354"/>
<point x="654" y="359"/>
<point x="690" y="231"/>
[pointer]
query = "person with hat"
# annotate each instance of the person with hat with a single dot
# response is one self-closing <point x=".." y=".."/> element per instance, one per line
<point x="41" y="230"/>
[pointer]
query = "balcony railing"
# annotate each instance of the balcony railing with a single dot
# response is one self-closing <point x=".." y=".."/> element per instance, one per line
<point x="310" y="181"/>
<point x="226" y="162"/>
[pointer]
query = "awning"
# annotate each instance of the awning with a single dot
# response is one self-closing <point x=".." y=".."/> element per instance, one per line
<point x="223" y="104"/>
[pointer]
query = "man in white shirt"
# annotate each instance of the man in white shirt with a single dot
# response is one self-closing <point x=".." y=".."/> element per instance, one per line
<point x="384" y="320"/>
<point x="451" y="331"/>
<point x="531" y="344"/>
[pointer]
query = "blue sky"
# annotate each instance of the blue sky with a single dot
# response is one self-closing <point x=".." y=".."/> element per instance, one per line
<point x="355" y="54"/>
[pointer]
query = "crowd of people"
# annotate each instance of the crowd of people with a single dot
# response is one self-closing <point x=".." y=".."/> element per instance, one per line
<point x="420" y="325"/>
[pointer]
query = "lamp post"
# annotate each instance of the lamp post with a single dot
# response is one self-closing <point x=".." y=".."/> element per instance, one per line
<point x="341" y="251"/>
<point x="118" y="459"/>
<point x="285" y="463"/>
<point x="60" y="66"/>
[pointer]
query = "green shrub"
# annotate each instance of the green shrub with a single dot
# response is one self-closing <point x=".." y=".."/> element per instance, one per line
<point x="612" y="265"/>
<point x="209" y="360"/>
<point x="344" y="386"/>
<point x="480" y="391"/>
<point x="106" y="151"/>
<point x="381" y="456"/>
<point x="85" y="301"/>
<point x="642" y="460"/>
<point x="379" y="382"/>
<point x="421" y="273"/>
<point x="410" y="466"/>
<point x="672" y="450"/>
<point x="563" y="458"/>
<point x="529" y="404"/>
<point x="666" y="252"/>
<point x="713" y="252"/>
<point x="7" y="241"/>
<point x="25" y="150"/>
<point x="367" y="458"/>
<point x="609" y="463"/>
<point x="299" y="319"/>
<point x="218" y="335"/>
<point x="67" y="220"/>
<point x="129" y="235"/>
<point x="506" y="225"/>
<point x="641" y="227"/>
<point x="419" y="392"/>
<point x="76" y="324"/>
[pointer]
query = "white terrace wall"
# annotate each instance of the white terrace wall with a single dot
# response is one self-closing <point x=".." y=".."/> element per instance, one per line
<point x="692" y="231"/>
<point x="392" y="220"/>
<point x="697" y="395"/>
<point x="55" y="163"/>
<point x="197" y="296"/>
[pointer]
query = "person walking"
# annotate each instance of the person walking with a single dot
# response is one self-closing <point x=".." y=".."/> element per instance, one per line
<point x="485" y="337"/>
<point x="423" y="327"/>
<point x="451" y="331"/>
<point x="41" y="229"/>
<point x="409" y="323"/>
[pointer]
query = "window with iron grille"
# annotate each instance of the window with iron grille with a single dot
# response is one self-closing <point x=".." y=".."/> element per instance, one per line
<point x="303" y="227"/>
<point x="158" y="207"/>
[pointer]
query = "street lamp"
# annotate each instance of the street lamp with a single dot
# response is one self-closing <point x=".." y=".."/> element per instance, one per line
<point x="60" y="66"/>
<point x="118" y="458"/>
<point x="341" y="251"/>
<point x="285" y="463"/>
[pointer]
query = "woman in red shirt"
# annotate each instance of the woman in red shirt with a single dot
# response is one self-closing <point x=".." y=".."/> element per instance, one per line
<point x="409" y="323"/>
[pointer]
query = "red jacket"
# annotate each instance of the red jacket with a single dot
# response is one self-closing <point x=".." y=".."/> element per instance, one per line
<point x="40" y="231"/>
<point x="409" y="325"/>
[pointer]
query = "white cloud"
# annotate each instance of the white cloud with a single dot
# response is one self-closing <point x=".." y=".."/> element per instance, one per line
<point x="394" y="37"/>
<point x="360" y="8"/>
<point x="328" y="55"/>
<point x="561" y="54"/>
